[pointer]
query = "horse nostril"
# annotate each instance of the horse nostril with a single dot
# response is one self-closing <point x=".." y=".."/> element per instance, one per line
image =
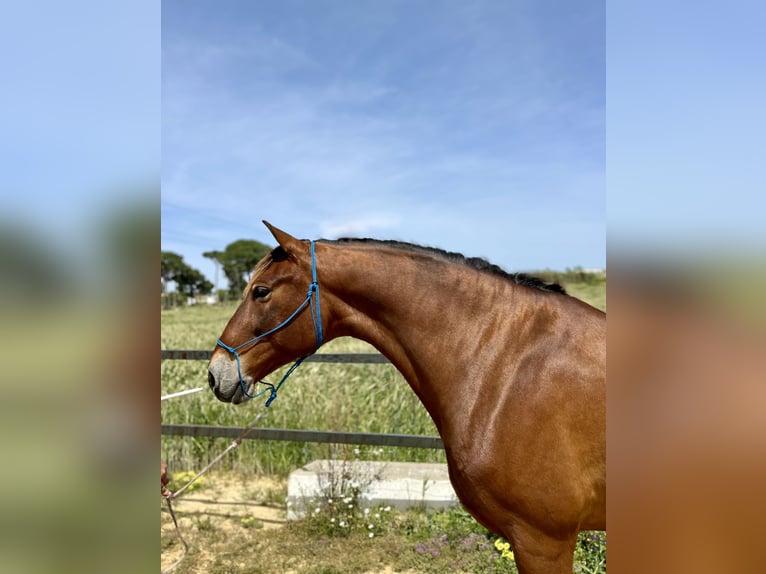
<point x="211" y="380"/>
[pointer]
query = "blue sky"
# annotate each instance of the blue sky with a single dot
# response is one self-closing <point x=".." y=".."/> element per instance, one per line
<point x="686" y="87"/>
<point x="477" y="127"/>
<point x="79" y="113"/>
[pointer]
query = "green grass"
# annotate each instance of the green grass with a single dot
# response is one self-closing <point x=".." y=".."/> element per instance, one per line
<point x="412" y="541"/>
<point x="593" y="292"/>
<point x="340" y="397"/>
<point x="364" y="398"/>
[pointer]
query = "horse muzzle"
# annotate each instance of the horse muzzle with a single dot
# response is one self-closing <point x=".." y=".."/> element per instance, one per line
<point x="225" y="384"/>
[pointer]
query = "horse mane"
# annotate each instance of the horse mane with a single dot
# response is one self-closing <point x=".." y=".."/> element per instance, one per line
<point x="476" y="262"/>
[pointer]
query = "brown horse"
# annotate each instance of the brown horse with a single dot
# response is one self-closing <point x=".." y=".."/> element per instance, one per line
<point x="512" y="371"/>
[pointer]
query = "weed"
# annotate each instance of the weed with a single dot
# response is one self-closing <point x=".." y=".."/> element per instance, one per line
<point x="273" y="496"/>
<point x="590" y="553"/>
<point x="340" y="508"/>
<point x="251" y="522"/>
<point x="204" y="523"/>
<point x="179" y="479"/>
<point x="415" y="540"/>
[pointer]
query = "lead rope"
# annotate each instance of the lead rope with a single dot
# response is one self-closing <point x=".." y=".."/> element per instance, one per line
<point x="173" y="495"/>
<point x="180" y="537"/>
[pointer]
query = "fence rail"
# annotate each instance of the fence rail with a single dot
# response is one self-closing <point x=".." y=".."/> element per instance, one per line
<point x="296" y="435"/>
<point x="368" y="358"/>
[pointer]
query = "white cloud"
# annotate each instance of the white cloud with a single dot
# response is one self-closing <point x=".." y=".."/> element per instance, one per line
<point x="357" y="227"/>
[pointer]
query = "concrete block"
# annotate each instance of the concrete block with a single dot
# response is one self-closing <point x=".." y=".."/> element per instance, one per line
<point x="397" y="484"/>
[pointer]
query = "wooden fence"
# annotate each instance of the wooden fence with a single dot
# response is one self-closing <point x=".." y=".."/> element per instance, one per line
<point x="297" y="435"/>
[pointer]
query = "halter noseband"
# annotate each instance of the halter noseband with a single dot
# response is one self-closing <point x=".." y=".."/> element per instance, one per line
<point x="312" y="302"/>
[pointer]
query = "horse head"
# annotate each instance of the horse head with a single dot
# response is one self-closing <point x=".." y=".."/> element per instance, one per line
<point x="277" y="321"/>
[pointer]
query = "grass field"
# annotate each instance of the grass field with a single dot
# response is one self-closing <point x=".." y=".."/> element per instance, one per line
<point x="373" y="398"/>
<point x="340" y="397"/>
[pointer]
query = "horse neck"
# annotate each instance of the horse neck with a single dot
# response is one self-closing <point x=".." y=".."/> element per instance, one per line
<point x="429" y="317"/>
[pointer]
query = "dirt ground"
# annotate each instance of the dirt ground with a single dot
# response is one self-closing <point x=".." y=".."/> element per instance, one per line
<point x="225" y="503"/>
<point x="226" y="499"/>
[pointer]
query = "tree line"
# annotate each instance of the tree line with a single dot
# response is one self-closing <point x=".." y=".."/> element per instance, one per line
<point x="236" y="261"/>
<point x="239" y="258"/>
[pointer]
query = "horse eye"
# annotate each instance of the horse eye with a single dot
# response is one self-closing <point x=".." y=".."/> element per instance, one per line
<point x="261" y="292"/>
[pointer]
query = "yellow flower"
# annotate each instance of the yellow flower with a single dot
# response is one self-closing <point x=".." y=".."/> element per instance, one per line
<point x="504" y="548"/>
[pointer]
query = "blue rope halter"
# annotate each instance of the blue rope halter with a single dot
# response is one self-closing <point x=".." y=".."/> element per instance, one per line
<point x="312" y="302"/>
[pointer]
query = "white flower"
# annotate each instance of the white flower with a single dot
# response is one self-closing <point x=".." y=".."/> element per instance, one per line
<point x="377" y="515"/>
<point x="370" y="526"/>
<point x="371" y="534"/>
<point x="387" y="509"/>
<point x="341" y="524"/>
<point x="332" y="520"/>
<point x="366" y="511"/>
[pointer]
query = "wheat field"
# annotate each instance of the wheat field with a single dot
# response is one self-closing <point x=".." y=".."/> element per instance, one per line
<point x="318" y="396"/>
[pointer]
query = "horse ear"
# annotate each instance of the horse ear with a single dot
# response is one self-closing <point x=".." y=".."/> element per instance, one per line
<point x="286" y="241"/>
